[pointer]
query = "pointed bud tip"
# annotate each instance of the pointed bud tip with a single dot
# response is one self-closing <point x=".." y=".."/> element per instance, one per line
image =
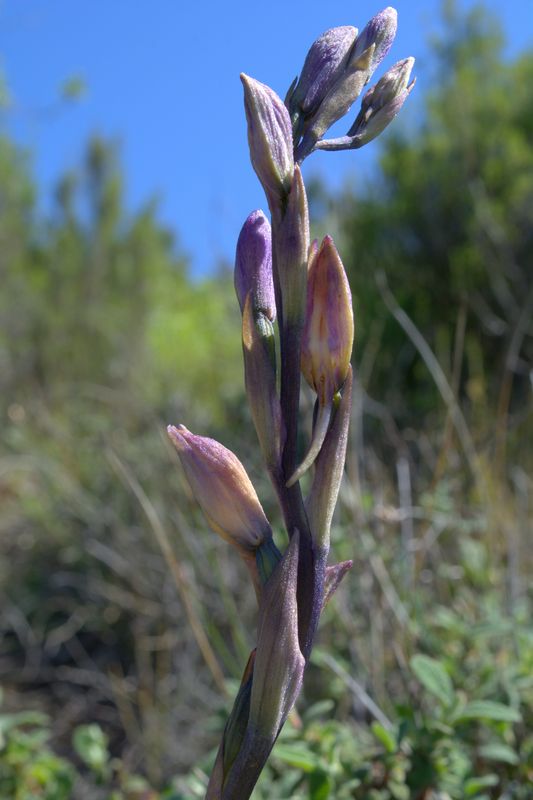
<point x="178" y="436"/>
<point x="253" y="265"/>
<point x="269" y="139"/>
<point x="388" y="15"/>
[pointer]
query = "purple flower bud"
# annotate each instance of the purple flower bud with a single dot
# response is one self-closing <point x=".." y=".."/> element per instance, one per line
<point x="279" y="663"/>
<point x="223" y="490"/>
<point x="379" y="33"/>
<point x="328" y="332"/>
<point x="369" y="49"/>
<point x="253" y="265"/>
<point x="382" y="102"/>
<point x="324" y="62"/>
<point x="270" y="139"/>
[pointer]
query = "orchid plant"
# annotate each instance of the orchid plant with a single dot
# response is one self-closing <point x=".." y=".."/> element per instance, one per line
<point x="297" y="319"/>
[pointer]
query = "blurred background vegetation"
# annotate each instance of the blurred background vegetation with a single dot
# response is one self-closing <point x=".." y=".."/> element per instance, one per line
<point x="125" y="624"/>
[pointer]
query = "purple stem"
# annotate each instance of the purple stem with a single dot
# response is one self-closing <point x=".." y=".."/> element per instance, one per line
<point x="311" y="566"/>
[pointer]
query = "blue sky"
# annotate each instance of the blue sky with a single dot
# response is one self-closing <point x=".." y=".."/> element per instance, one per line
<point x="163" y="80"/>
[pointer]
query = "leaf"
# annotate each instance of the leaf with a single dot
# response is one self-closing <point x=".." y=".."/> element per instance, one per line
<point x="320" y="709"/>
<point x="298" y="757"/>
<point x="433" y="676"/>
<point x="499" y="752"/>
<point x="475" y="785"/>
<point x="386" y="738"/>
<point x="320" y="786"/>
<point x="90" y="743"/>
<point x="487" y="709"/>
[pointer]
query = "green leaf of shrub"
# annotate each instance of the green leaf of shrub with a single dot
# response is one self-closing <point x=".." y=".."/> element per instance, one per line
<point x="298" y="757"/>
<point x="487" y="709"/>
<point x="90" y="743"/>
<point x="386" y="738"/>
<point x="434" y="678"/>
<point x="475" y="785"/>
<point x="499" y="752"/>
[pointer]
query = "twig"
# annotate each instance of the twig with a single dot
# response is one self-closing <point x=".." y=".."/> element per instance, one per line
<point x="180" y="580"/>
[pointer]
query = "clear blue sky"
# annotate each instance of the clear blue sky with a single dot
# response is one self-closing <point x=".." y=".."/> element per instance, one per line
<point x="162" y="79"/>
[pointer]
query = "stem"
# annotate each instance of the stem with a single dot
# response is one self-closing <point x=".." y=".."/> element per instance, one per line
<point x="290" y="335"/>
<point x="311" y="566"/>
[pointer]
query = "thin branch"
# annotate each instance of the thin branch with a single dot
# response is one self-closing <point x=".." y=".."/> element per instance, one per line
<point x="130" y="481"/>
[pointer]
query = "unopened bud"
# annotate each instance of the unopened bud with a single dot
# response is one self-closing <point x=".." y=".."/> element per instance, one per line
<point x="253" y="265"/>
<point x="223" y="490"/>
<point x="369" y="49"/>
<point x="329" y="329"/>
<point x="379" y="34"/>
<point x="327" y="340"/>
<point x="270" y="139"/>
<point x="323" y="65"/>
<point x="382" y="102"/>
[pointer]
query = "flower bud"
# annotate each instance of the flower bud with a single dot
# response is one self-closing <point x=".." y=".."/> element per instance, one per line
<point x="379" y="34"/>
<point x="253" y="265"/>
<point x="279" y="663"/>
<point x="382" y="102"/>
<point x="327" y="340"/>
<point x="270" y="139"/>
<point x="324" y="62"/>
<point x="328" y="332"/>
<point x="223" y="490"/>
<point x="370" y="47"/>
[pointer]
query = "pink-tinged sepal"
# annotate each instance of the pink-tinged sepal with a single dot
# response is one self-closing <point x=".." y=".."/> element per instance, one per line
<point x="253" y="265"/>
<point x="270" y="139"/>
<point x="329" y="327"/>
<point x="223" y="490"/>
<point x="327" y="340"/>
